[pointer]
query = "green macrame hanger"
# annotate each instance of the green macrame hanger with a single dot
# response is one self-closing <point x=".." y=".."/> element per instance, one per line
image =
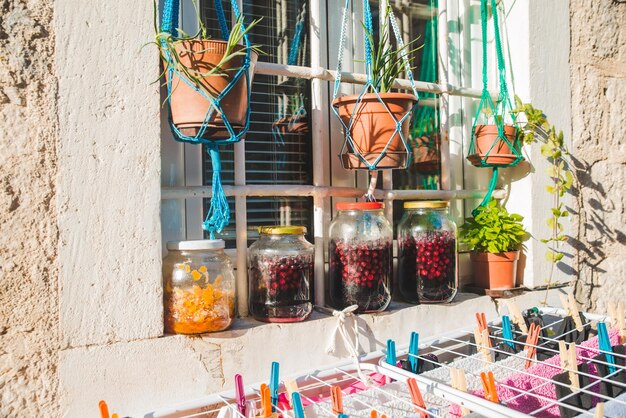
<point x="498" y="112"/>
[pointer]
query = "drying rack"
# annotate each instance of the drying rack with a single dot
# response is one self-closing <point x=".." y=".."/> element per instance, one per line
<point x="456" y="344"/>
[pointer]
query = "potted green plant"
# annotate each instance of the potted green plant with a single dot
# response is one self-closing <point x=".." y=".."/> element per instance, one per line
<point x="495" y="237"/>
<point x="369" y="115"/>
<point x="209" y="66"/>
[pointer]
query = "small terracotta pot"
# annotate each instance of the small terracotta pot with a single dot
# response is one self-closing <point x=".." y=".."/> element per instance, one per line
<point x="190" y="108"/>
<point x="373" y="127"/>
<point x="426" y="153"/>
<point x="500" y="153"/>
<point x="495" y="271"/>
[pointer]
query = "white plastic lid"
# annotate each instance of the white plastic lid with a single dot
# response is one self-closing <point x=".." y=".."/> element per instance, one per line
<point x="198" y="244"/>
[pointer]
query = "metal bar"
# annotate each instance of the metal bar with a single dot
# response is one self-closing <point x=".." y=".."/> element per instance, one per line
<point x="323" y="192"/>
<point x="319" y="73"/>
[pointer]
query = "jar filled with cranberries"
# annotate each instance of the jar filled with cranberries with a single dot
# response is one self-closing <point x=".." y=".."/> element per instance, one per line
<point x="360" y="257"/>
<point x="280" y="274"/>
<point x="427" y="253"/>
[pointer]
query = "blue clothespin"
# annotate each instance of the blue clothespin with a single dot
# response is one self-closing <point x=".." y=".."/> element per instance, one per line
<point x="391" y="352"/>
<point x="413" y="347"/>
<point x="604" y="342"/>
<point x="342" y="416"/>
<point x="274" y="385"/>
<point x="507" y="331"/>
<point x="296" y="403"/>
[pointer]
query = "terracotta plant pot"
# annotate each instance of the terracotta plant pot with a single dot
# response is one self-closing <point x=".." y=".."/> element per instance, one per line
<point x="190" y="108"/>
<point x="373" y="127"/>
<point x="498" y="154"/>
<point x="495" y="271"/>
<point x="426" y="154"/>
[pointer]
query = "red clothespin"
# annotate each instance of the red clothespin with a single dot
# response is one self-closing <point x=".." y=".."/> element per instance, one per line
<point x="416" y="397"/>
<point x="482" y="325"/>
<point x="531" y="343"/>
<point x="104" y="409"/>
<point x="489" y="387"/>
<point x="266" y="401"/>
<point x="337" y="403"/>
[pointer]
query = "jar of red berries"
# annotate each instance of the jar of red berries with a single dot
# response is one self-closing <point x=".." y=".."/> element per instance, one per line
<point x="360" y="257"/>
<point x="427" y="253"/>
<point x="280" y="274"/>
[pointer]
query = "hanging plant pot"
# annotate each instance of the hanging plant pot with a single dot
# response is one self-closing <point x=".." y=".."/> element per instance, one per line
<point x="189" y="108"/>
<point x="298" y="124"/>
<point x="372" y="127"/>
<point x="495" y="271"/>
<point x="491" y="149"/>
<point x="426" y="158"/>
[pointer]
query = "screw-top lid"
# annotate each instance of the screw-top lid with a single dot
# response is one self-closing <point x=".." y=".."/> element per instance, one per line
<point x="282" y="230"/>
<point x="359" y="205"/>
<point x="426" y="204"/>
<point x="198" y="244"/>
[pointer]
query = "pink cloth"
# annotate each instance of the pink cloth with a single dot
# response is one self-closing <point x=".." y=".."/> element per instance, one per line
<point x="542" y="371"/>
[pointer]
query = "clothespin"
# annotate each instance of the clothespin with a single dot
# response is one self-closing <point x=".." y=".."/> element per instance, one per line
<point x="342" y="416"/>
<point x="374" y="414"/>
<point x="482" y="326"/>
<point x="489" y="387"/>
<point x="604" y="342"/>
<point x="413" y="350"/>
<point x="296" y="403"/>
<point x="266" y="401"/>
<point x="571" y="307"/>
<point x="617" y="320"/>
<point x="459" y="382"/>
<point x="240" y="395"/>
<point x="337" y="403"/>
<point x="391" y="352"/>
<point x="531" y="344"/>
<point x="292" y="387"/>
<point x="416" y="398"/>
<point x="482" y="343"/>
<point x="104" y="409"/>
<point x="599" y="410"/>
<point x="516" y="315"/>
<point x="114" y="415"/>
<point x="569" y="363"/>
<point x="274" y="385"/>
<point x="507" y="331"/>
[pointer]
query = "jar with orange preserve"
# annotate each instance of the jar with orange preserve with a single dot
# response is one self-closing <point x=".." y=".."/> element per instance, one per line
<point x="199" y="287"/>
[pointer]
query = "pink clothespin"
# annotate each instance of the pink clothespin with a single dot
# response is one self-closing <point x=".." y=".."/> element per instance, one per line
<point x="240" y="395"/>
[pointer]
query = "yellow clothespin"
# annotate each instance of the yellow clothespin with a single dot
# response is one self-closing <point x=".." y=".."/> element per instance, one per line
<point x="459" y="382"/>
<point x="599" y="410"/>
<point x="571" y="308"/>
<point x="569" y="363"/>
<point x="482" y="343"/>
<point x="515" y="313"/>
<point x="617" y="320"/>
<point x="291" y="387"/>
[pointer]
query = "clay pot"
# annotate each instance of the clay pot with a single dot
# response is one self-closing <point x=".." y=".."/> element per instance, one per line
<point x="373" y="127"/>
<point x="500" y="153"/>
<point x="190" y="108"/>
<point x="426" y="154"/>
<point x="495" y="271"/>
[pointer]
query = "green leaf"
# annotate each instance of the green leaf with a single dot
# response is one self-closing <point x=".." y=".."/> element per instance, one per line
<point x="550" y="189"/>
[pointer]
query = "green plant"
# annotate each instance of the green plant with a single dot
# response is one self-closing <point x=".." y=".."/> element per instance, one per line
<point x="387" y="62"/>
<point x="493" y="229"/>
<point x="553" y="148"/>
<point x="170" y="56"/>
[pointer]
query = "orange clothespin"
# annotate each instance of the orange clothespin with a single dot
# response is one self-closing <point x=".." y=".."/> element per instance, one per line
<point x="114" y="415"/>
<point x="531" y="344"/>
<point x="482" y="325"/>
<point x="515" y="313"/>
<point x="266" y="401"/>
<point x="104" y="409"/>
<point x="416" y="397"/>
<point x="337" y="403"/>
<point x="489" y="387"/>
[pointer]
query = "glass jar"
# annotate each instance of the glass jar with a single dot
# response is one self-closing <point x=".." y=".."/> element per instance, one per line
<point x="360" y="257"/>
<point x="427" y="253"/>
<point x="280" y="273"/>
<point x="198" y="287"/>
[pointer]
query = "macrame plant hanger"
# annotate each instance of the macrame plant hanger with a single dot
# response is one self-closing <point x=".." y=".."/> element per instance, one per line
<point x="499" y="112"/>
<point x="368" y="33"/>
<point x="218" y="215"/>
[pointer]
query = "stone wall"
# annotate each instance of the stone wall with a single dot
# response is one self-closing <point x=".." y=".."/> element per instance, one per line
<point x="29" y="339"/>
<point x="598" y="84"/>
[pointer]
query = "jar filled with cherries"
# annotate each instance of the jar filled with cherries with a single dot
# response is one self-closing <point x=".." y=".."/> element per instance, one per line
<point x="360" y="257"/>
<point x="427" y="253"/>
<point x="280" y="273"/>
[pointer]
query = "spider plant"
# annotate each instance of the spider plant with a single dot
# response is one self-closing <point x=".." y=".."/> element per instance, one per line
<point x="170" y="50"/>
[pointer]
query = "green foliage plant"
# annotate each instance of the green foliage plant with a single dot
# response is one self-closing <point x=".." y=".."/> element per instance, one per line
<point x="493" y="230"/>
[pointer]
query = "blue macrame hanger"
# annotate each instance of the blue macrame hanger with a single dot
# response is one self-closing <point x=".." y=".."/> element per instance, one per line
<point x="218" y="215"/>
<point x="369" y="85"/>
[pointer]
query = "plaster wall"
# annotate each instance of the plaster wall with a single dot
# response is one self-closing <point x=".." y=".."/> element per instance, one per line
<point x="598" y="84"/>
<point x="29" y="323"/>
